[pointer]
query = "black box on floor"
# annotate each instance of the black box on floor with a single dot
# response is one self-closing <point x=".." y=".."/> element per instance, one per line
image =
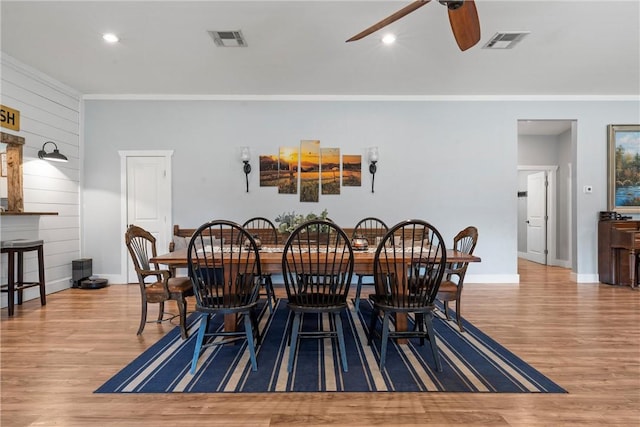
<point x="81" y="269"/>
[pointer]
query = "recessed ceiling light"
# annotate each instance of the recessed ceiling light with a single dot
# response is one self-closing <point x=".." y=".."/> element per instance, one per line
<point x="388" y="39"/>
<point x="110" y="38"/>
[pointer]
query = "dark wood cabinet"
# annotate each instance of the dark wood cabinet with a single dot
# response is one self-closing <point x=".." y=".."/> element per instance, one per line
<point x="618" y="245"/>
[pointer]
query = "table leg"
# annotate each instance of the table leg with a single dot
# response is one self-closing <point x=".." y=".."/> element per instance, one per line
<point x="632" y="268"/>
<point x="230" y="322"/>
<point x="402" y="324"/>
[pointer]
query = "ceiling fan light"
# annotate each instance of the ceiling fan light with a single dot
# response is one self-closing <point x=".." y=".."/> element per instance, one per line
<point x="388" y="39"/>
<point x="110" y="38"/>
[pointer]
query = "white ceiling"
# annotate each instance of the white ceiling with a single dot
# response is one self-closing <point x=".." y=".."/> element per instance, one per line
<point x="576" y="48"/>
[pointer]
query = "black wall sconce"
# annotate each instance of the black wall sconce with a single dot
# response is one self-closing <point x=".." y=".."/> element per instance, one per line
<point x="54" y="156"/>
<point x="245" y="155"/>
<point x="373" y="159"/>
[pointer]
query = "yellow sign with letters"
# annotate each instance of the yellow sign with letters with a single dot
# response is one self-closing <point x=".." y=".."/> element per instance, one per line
<point x="10" y="118"/>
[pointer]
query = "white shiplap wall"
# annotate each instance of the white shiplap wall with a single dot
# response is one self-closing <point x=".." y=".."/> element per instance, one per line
<point x="49" y="111"/>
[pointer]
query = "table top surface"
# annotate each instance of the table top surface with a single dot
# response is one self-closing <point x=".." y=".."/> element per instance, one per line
<point x="273" y="255"/>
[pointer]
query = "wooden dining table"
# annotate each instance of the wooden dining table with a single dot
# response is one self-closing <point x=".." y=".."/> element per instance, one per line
<point x="271" y="259"/>
<point x="271" y="262"/>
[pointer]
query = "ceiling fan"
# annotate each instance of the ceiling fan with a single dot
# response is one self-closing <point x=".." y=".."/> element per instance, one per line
<point x="463" y="17"/>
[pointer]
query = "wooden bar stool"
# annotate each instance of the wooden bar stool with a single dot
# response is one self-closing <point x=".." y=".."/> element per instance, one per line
<point x="19" y="247"/>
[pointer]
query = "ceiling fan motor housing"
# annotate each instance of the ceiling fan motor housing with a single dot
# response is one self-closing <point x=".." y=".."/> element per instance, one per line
<point x="452" y="4"/>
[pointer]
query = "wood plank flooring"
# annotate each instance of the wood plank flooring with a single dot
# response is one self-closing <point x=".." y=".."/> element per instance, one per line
<point x="585" y="337"/>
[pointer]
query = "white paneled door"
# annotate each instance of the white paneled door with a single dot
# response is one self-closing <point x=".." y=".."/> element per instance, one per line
<point x="537" y="217"/>
<point x="148" y="198"/>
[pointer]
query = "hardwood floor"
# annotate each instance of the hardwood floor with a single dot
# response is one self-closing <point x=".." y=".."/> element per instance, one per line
<point x="585" y="337"/>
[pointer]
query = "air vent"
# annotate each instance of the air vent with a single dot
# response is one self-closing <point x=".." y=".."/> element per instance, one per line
<point x="505" y="40"/>
<point x="228" y="38"/>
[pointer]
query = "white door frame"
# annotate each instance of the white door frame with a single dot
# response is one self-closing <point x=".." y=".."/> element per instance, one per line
<point x="552" y="172"/>
<point x="569" y="262"/>
<point x="124" y="155"/>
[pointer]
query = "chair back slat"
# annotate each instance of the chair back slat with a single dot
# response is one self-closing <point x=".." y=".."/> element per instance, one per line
<point x="263" y="228"/>
<point x="141" y="245"/>
<point x="140" y="248"/>
<point x="225" y="272"/>
<point x="370" y="228"/>
<point x="317" y="265"/>
<point x="465" y="241"/>
<point x="409" y="265"/>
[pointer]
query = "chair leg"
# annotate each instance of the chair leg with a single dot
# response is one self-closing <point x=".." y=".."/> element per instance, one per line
<point x="254" y="321"/>
<point x="358" y="290"/>
<point x="419" y="326"/>
<point x="372" y="325"/>
<point x="143" y="317"/>
<point x="458" y="315"/>
<point x="11" y="286"/>
<point x="446" y="309"/>
<point x="343" y="350"/>
<point x="271" y="295"/>
<point x="182" y="309"/>
<point x="289" y="327"/>
<point x="160" y="312"/>
<point x="294" y="340"/>
<point x="248" y="329"/>
<point x="385" y="339"/>
<point x="432" y="340"/>
<point x="41" y="281"/>
<point x="20" y="275"/>
<point x="204" y="325"/>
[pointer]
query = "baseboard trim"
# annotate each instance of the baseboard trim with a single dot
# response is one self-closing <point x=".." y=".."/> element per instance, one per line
<point x="585" y="278"/>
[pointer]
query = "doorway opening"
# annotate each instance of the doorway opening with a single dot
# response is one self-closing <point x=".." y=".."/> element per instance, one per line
<point x="545" y="155"/>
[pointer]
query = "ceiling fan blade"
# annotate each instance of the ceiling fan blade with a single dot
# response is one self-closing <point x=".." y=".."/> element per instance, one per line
<point x="388" y="20"/>
<point x="465" y="24"/>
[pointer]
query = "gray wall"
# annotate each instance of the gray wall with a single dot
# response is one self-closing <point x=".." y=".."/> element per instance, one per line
<point x="453" y="163"/>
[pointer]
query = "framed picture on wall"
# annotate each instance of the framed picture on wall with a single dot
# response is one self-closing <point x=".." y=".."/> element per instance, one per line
<point x="3" y="164"/>
<point x="624" y="168"/>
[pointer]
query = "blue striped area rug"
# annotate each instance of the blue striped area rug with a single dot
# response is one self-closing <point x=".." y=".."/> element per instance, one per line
<point x="471" y="362"/>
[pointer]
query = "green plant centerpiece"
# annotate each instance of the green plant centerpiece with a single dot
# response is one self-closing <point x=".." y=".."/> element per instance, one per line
<point x="289" y="221"/>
